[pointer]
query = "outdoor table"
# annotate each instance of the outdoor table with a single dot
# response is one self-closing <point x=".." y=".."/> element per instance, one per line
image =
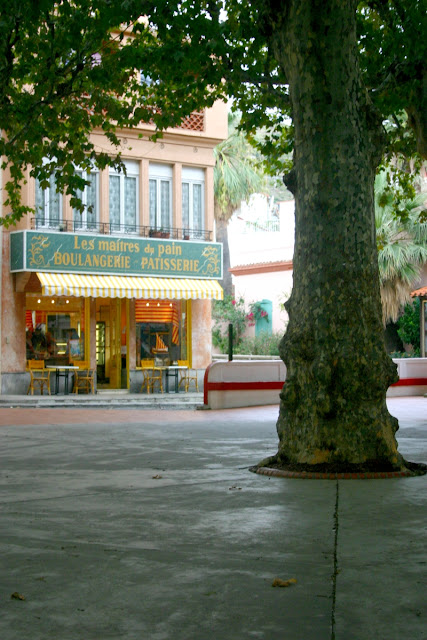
<point x="172" y="371"/>
<point x="62" y="371"/>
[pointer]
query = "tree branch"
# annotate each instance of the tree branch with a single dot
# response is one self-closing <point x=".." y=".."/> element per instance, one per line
<point x="14" y="37"/>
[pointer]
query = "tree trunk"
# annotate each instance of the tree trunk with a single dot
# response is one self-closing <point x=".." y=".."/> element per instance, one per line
<point x="333" y="405"/>
<point x="222" y="236"/>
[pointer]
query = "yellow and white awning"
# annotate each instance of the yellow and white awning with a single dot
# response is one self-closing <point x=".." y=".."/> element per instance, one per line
<point x="99" y="286"/>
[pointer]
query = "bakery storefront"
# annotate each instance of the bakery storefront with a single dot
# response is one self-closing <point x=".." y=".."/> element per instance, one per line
<point x="115" y="301"/>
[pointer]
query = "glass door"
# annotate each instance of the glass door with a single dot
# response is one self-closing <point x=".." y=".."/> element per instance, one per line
<point x="115" y="344"/>
<point x="108" y="343"/>
<point x="100" y="352"/>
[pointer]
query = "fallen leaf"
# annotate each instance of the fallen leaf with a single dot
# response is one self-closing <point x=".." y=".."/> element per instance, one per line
<point x="157" y="477"/>
<point x="278" y="582"/>
<point x="17" y="596"/>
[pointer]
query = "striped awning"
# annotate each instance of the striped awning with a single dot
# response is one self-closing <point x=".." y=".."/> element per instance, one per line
<point x="68" y="284"/>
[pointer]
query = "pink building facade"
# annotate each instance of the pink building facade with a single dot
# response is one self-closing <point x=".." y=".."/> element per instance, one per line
<point x="140" y="264"/>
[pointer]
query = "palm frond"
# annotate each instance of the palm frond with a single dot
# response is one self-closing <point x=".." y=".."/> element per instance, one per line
<point x="236" y="175"/>
<point x="402" y="247"/>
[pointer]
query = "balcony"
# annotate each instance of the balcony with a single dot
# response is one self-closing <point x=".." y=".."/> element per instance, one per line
<point x="110" y="228"/>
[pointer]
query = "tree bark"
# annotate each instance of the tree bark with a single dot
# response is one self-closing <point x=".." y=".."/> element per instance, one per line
<point x="222" y="236"/>
<point x="333" y="405"/>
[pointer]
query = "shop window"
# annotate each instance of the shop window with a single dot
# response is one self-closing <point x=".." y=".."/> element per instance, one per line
<point x="160" y="197"/>
<point x="193" y="215"/>
<point x="161" y="330"/>
<point x="88" y="218"/>
<point x="48" y="205"/>
<point x="55" y="329"/>
<point x="124" y="198"/>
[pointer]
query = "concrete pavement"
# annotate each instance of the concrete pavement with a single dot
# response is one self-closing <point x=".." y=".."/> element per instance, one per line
<point x="147" y="525"/>
<point x="102" y="399"/>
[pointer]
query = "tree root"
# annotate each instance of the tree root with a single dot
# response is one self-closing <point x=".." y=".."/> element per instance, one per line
<point x="368" y="467"/>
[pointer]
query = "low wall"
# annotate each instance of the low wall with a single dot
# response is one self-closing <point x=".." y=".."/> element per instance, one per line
<point x="243" y="383"/>
<point x="412" y="381"/>
<point x="242" y="356"/>
<point x="257" y="382"/>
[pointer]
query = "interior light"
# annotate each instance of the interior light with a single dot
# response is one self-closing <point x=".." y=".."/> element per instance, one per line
<point x="67" y="302"/>
<point x="53" y="301"/>
<point x="158" y="304"/>
<point x="148" y="304"/>
<point x="39" y="300"/>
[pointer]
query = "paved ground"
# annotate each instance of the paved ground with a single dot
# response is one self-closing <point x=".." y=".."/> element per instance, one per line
<point x="147" y="525"/>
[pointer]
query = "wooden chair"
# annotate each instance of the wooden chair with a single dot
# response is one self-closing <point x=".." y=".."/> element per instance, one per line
<point x="84" y="378"/>
<point x="151" y="375"/>
<point x="39" y="376"/>
<point x="187" y="376"/>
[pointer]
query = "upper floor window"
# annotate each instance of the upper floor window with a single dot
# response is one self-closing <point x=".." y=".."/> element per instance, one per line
<point x="193" y="211"/>
<point x="48" y="205"/>
<point x="124" y="198"/>
<point x="160" y="196"/>
<point x="88" y="219"/>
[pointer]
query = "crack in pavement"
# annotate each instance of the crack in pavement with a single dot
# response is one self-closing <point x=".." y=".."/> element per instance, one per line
<point x="335" y="572"/>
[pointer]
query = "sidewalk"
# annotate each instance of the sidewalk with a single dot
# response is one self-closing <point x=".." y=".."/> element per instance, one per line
<point x="103" y="399"/>
<point x="147" y="525"/>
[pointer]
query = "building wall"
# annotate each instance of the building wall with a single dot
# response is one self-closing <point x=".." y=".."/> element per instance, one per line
<point x="255" y="251"/>
<point x="275" y="286"/>
<point x="13" y="316"/>
<point x="187" y="148"/>
<point x="201" y="346"/>
<point x="248" y="246"/>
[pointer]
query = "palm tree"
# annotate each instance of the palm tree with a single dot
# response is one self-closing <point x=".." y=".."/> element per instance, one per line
<point x="402" y="247"/>
<point x="237" y="175"/>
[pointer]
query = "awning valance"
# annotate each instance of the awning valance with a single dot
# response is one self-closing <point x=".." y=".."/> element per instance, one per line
<point x="68" y="284"/>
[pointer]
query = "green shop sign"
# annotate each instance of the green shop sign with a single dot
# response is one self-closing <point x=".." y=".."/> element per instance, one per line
<point x="112" y="255"/>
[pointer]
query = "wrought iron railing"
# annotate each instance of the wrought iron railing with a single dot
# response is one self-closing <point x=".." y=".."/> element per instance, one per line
<point x="111" y="228"/>
<point x="268" y="225"/>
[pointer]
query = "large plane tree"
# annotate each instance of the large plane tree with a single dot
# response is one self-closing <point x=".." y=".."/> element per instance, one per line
<point x="339" y="82"/>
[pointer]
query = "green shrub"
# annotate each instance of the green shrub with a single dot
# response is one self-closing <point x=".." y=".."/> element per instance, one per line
<point x="409" y="326"/>
<point x="225" y="312"/>
<point x="402" y="354"/>
<point x="265" y="344"/>
<point x="233" y="311"/>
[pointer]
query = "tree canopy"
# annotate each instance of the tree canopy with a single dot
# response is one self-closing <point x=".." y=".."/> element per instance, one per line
<point x="70" y="67"/>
